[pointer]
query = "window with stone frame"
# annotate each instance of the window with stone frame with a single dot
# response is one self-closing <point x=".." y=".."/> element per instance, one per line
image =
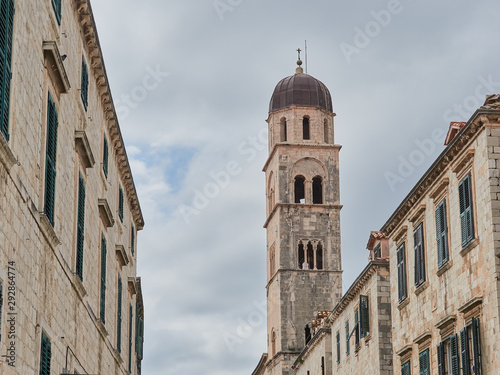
<point x="317" y="190"/>
<point x="325" y="130"/>
<point x="283" y="130"/>
<point x="45" y="355"/>
<point x="50" y="159"/>
<point x="401" y="266"/>
<point x="448" y="357"/>
<point x="338" y="346"/>
<point x="299" y="189"/>
<point x="424" y="362"/>
<point x="56" y="4"/>
<point x="405" y="368"/>
<point x="419" y="249"/>
<point x="306" y="133"/>
<point x="442" y="234"/>
<point x="272" y="260"/>
<point x="470" y="348"/>
<point x="7" y="19"/>
<point x="347" y="338"/>
<point x="466" y="211"/>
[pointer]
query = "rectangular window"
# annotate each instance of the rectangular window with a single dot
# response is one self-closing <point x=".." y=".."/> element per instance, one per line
<point x="356" y="328"/>
<point x="442" y="234"/>
<point x="105" y="157"/>
<point x="338" y="347"/>
<point x="80" y="227"/>
<point x="377" y="252"/>
<point x="132" y="239"/>
<point x="405" y="368"/>
<point x="401" y="259"/>
<point x="448" y="356"/>
<point x="347" y="336"/>
<point x="364" y="316"/>
<point x="85" y="84"/>
<point x="120" y="203"/>
<point x="50" y="160"/>
<point x="418" y="243"/>
<point x="470" y="342"/>
<point x="45" y="355"/>
<point x="466" y="217"/>
<point x="7" y="21"/>
<point x="130" y="327"/>
<point x="102" y="306"/>
<point x="424" y="363"/>
<point x="119" y="317"/>
<point x="56" y="4"/>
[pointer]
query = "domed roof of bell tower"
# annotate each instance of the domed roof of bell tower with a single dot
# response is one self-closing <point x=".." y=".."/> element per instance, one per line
<point x="301" y="90"/>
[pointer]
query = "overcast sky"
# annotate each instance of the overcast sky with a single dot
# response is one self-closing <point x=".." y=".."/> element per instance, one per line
<point x="192" y="81"/>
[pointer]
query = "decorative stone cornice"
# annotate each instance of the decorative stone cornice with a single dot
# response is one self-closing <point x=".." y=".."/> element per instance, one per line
<point x="298" y="145"/>
<point x="92" y="46"/>
<point x="450" y="154"/>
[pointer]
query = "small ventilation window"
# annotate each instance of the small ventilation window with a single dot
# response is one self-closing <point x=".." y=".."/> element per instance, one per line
<point x="299" y="189"/>
<point x="283" y="135"/>
<point x="305" y="128"/>
<point x="325" y="130"/>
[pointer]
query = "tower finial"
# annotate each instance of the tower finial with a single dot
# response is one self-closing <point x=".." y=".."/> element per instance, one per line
<point x="299" y="69"/>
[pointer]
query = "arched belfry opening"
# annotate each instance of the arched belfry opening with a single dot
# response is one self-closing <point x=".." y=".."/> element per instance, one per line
<point x="299" y="189"/>
<point x="319" y="256"/>
<point x="310" y="255"/>
<point x="283" y="130"/>
<point x="306" y="134"/>
<point x="301" y="256"/>
<point x="317" y="190"/>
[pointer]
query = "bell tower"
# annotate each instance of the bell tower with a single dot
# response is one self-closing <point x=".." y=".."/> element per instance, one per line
<point x="303" y="215"/>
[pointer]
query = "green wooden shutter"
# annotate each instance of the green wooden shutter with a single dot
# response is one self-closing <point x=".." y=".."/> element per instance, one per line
<point x="132" y="239"/>
<point x="441" y="234"/>
<point x="80" y="227"/>
<point x="85" y="84"/>
<point x="441" y="359"/>
<point x="50" y="163"/>
<point x="119" y="317"/>
<point x="364" y="316"/>
<point x="130" y="328"/>
<point x="338" y="347"/>
<point x="418" y="242"/>
<point x="56" y="4"/>
<point x="6" y="26"/>
<point x="466" y="219"/>
<point x="120" y="203"/>
<point x="405" y="368"/>
<point x="464" y="346"/>
<point x="423" y="360"/>
<point x="140" y="338"/>
<point x="356" y="325"/>
<point x="45" y="355"/>
<point x="455" y="367"/>
<point x="105" y="157"/>
<point x="476" y="343"/>
<point x="102" y="307"/>
<point x="347" y="343"/>
<point x="401" y="259"/>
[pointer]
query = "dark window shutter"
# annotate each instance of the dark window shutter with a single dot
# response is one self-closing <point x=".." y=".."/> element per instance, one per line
<point x="7" y="25"/>
<point x="441" y="359"/>
<point x="405" y="368"/>
<point x="476" y="342"/>
<point x="464" y="345"/>
<point x="120" y="203"/>
<point x="51" y="152"/>
<point x="338" y="347"/>
<point x="441" y="234"/>
<point x="105" y="157"/>
<point x="356" y="327"/>
<point x="56" y="4"/>
<point x="85" y="84"/>
<point x="364" y="316"/>
<point x="119" y="317"/>
<point x="401" y="272"/>
<point x="466" y="219"/>
<point x="140" y="339"/>
<point x="347" y="344"/>
<point x="102" y="308"/>
<point x="130" y="328"/>
<point x="132" y="239"/>
<point x="418" y="241"/>
<point x="423" y="361"/>
<point x="45" y="355"/>
<point x="455" y="367"/>
<point x="80" y="230"/>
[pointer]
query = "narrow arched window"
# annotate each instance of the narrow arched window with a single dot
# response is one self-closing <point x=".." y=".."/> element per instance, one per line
<point x="317" y="190"/>
<point x="300" y="194"/>
<point x="305" y="128"/>
<point x="283" y="130"/>
<point x="273" y="342"/>
<point x="307" y="332"/>
<point x="301" y="256"/>
<point x="319" y="257"/>
<point x="310" y="255"/>
<point x="325" y="130"/>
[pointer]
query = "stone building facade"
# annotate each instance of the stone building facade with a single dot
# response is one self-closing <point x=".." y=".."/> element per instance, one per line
<point x="70" y="298"/>
<point x="444" y="252"/>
